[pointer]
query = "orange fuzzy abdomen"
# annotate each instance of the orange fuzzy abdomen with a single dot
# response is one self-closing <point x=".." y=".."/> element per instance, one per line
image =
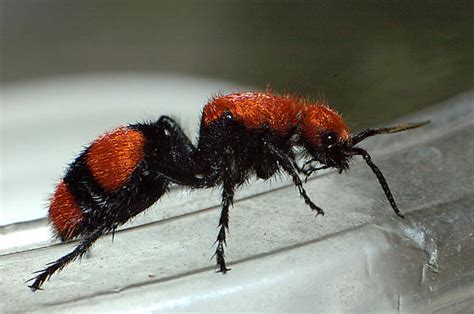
<point x="256" y="110"/>
<point x="114" y="156"/>
<point x="64" y="213"/>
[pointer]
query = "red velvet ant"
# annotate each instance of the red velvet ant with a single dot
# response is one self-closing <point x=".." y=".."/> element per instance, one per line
<point x="125" y="171"/>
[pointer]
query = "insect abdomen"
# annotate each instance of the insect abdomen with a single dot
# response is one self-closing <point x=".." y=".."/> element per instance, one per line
<point x="114" y="156"/>
<point x="91" y="187"/>
<point x="64" y="212"/>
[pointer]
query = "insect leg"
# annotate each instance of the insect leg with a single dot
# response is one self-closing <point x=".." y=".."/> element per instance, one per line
<point x="179" y="165"/>
<point x="227" y="200"/>
<point x="59" y="264"/>
<point x="178" y="134"/>
<point x="287" y="165"/>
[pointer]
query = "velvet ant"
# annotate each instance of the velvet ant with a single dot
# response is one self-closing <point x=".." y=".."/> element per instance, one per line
<point x="125" y="171"/>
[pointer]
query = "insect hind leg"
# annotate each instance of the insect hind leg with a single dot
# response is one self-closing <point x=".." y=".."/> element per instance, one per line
<point x="59" y="264"/>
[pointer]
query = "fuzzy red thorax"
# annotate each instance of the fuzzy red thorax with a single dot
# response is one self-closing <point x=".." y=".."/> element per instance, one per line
<point x="280" y="113"/>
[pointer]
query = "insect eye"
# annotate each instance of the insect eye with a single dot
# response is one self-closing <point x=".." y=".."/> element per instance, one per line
<point x="329" y="138"/>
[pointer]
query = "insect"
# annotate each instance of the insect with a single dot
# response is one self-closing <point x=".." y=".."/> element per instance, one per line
<point x="125" y="171"/>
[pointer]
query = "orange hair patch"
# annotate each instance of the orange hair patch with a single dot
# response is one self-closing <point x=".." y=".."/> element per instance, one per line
<point x="114" y="156"/>
<point x="316" y="119"/>
<point x="255" y="110"/>
<point x="64" y="212"/>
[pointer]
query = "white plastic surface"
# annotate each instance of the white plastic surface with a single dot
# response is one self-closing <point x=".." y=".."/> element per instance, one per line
<point x="358" y="257"/>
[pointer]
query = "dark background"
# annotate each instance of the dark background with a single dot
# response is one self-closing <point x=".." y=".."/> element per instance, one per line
<point x="372" y="60"/>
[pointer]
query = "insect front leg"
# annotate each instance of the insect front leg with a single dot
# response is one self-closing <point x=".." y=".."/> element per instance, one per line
<point x="287" y="165"/>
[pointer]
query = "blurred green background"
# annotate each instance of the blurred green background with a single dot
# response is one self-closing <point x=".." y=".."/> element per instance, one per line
<point x="373" y="60"/>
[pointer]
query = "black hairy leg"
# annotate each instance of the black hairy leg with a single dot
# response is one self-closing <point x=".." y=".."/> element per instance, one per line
<point x="59" y="264"/>
<point x="181" y="144"/>
<point x="287" y="165"/>
<point x="183" y="165"/>
<point x="179" y="165"/>
<point x="227" y="201"/>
